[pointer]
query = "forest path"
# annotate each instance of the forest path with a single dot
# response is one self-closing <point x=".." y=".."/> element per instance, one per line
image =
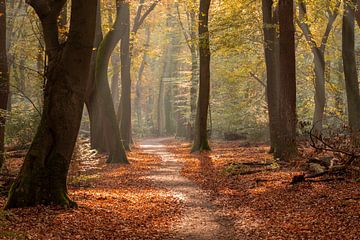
<point x="200" y="219"/>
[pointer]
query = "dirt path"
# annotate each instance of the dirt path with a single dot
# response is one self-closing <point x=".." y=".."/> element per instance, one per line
<point x="201" y="220"/>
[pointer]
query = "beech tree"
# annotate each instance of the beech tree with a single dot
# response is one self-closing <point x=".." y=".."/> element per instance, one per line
<point x="201" y="134"/>
<point x="318" y="51"/>
<point x="105" y="132"/>
<point x="286" y="147"/>
<point x="138" y="87"/>
<point x="42" y="179"/>
<point x="124" y="111"/>
<point x="350" y="70"/>
<point x="271" y="49"/>
<point x="4" y="79"/>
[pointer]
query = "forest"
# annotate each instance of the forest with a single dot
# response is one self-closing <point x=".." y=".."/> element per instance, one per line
<point x="179" y="119"/>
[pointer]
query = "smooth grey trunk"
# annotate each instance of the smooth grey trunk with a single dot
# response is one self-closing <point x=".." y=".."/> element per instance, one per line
<point x="319" y="60"/>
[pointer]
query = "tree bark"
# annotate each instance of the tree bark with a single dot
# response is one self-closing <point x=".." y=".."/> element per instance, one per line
<point x="4" y="80"/>
<point x="115" y="90"/>
<point x="139" y="79"/>
<point x="320" y="97"/>
<point x="103" y="122"/>
<point x="201" y="135"/>
<point x="350" y="72"/>
<point x="42" y="179"/>
<point x="97" y="127"/>
<point x="272" y="69"/>
<point x="124" y="110"/>
<point x="286" y="147"/>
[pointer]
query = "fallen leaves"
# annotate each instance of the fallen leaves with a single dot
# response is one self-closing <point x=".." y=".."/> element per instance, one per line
<point x="263" y="205"/>
<point x="122" y="202"/>
<point x="116" y="202"/>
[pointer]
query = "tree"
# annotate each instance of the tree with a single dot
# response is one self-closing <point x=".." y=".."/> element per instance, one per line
<point x="271" y="41"/>
<point x="286" y="147"/>
<point x="104" y="129"/>
<point x="140" y="74"/>
<point x="124" y="111"/>
<point x="350" y="71"/>
<point x="318" y="51"/>
<point x="42" y="179"/>
<point x="4" y="80"/>
<point x="201" y="135"/>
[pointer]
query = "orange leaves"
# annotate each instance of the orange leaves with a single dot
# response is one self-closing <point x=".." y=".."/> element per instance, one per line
<point x="118" y="203"/>
<point x="263" y="205"/>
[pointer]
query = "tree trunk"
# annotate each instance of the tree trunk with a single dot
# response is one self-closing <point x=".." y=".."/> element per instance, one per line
<point x="320" y="97"/>
<point x="97" y="137"/>
<point x="139" y="80"/>
<point x="286" y="147"/>
<point x="351" y="77"/>
<point x="201" y="135"/>
<point x="4" y="80"/>
<point x="319" y="60"/>
<point x="115" y="62"/>
<point x="160" y="102"/>
<point x="103" y="122"/>
<point x="42" y="179"/>
<point x="124" y="111"/>
<point x="272" y="69"/>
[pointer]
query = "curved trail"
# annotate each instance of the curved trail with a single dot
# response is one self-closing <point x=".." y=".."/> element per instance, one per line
<point x="200" y="220"/>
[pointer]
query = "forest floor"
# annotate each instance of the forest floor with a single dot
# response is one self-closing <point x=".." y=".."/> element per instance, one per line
<point x="233" y="192"/>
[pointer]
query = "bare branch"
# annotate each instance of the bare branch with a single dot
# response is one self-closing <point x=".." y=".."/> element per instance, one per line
<point x="144" y="16"/>
<point x="185" y="33"/>
<point x="332" y="17"/>
<point x="258" y="79"/>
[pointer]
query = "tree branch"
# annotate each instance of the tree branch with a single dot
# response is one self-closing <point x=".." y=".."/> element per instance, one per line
<point x="332" y="17"/>
<point x="258" y="79"/>
<point x="144" y="16"/>
<point x="185" y="33"/>
<point x="304" y="26"/>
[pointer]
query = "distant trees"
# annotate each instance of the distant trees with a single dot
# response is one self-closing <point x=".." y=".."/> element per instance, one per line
<point x="201" y="135"/>
<point x="4" y="79"/>
<point x="286" y="146"/>
<point x="42" y="179"/>
<point x="190" y="35"/>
